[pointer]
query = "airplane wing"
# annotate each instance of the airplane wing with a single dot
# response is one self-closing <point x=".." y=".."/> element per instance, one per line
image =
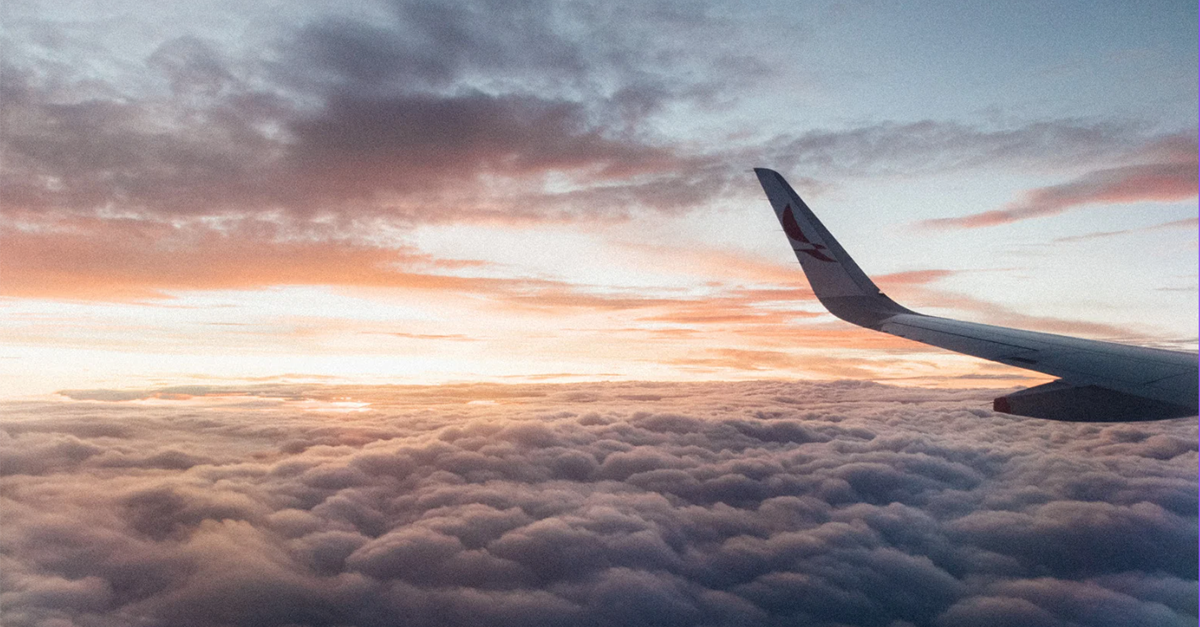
<point x="1098" y="381"/>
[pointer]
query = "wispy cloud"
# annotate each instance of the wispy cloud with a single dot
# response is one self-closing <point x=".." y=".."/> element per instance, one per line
<point x="919" y="293"/>
<point x="1186" y="223"/>
<point x="1171" y="176"/>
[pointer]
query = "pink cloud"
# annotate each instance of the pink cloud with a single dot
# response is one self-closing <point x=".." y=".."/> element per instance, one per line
<point x="1170" y="176"/>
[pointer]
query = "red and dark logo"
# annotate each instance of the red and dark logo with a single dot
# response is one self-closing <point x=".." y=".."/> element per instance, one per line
<point x="792" y="228"/>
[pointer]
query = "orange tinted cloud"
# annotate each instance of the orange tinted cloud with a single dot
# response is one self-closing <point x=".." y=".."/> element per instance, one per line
<point x="834" y="335"/>
<point x="713" y="263"/>
<point x="136" y="260"/>
<point x="1171" y="176"/>
<point x="774" y="360"/>
<point x="912" y="277"/>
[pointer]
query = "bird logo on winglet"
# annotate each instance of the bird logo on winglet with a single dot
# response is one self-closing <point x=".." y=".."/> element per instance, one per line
<point x="792" y="228"/>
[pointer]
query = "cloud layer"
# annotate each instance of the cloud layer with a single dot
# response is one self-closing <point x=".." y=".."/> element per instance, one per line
<point x="642" y="504"/>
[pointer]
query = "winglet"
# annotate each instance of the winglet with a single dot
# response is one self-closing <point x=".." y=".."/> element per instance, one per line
<point x="838" y="282"/>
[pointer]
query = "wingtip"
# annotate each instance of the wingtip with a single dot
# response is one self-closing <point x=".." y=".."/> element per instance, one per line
<point x="768" y="176"/>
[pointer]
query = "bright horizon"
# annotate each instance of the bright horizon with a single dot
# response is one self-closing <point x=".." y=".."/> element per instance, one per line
<point x="288" y="192"/>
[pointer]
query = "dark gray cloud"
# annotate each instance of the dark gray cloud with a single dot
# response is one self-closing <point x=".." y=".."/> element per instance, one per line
<point x="431" y="45"/>
<point x="356" y="149"/>
<point x="404" y="111"/>
<point x="688" y="504"/>
<point x="342" y="115"/>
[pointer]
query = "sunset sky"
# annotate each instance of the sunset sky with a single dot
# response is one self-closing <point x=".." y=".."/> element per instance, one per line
<point x="406" y="192"/>
<point x="458" y="313"/>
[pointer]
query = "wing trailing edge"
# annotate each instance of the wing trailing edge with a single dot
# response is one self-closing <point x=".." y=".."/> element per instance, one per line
<point x="1099" y="381"/>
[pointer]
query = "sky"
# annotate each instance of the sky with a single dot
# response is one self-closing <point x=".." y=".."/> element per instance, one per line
<point x="421" y="192"/>
<point x="823" y="504"/>
<point x="396" y="312"/>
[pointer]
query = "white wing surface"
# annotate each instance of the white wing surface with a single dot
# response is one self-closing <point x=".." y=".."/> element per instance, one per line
<point x="1098" y="381"/>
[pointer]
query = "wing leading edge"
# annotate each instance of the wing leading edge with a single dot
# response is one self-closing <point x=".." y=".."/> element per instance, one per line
<point x="1098" y="381"/>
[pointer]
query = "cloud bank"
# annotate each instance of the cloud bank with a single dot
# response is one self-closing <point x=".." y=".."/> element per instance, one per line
<point x="763" y="503"/>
